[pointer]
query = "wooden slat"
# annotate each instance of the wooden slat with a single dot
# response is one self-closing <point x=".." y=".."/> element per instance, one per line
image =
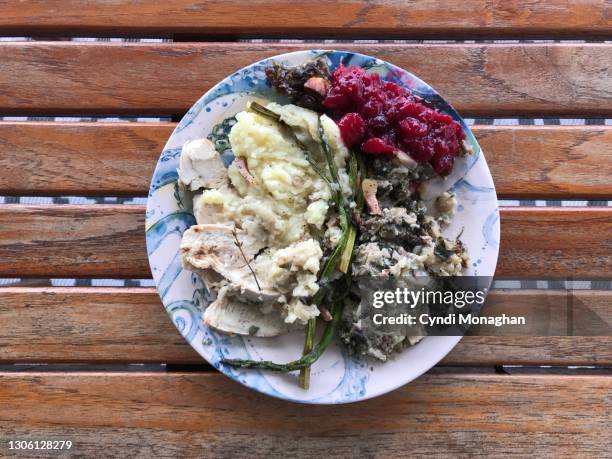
<point x="551" y="162"/>
<point x="497" y="80"/>
<point x="72" y="240"/>
<point x="88" y="325"/>
<point x="184" y="414"/>
<point x="108" y="241"/>
<point x="61" y="324"/>
<point x="550" y="242"/>
<point x="309" y="18"/>
<point x="84" y="159"/>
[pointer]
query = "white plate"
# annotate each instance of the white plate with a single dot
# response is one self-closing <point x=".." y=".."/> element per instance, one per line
<point x="336" y="377"/>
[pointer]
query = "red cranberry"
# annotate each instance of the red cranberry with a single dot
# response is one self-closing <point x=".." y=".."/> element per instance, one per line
<point x="440" y="119"/>
<point x="459" y="131"/>
<point x="442" y="164"/>
<point x="422" y="150"/>
<point x="372" y="108"/>
<point x="352" y="128"/>
<point x="448" y="134"/>
<point x="441" y="148"/>
<point x="411" y="128"/>
<point x="378" y="125"/>
<point x="426" y="115"/>
<point x="352" y="88"/>
<point x="407" y="109"/>
<point x="377" y="146"/>
<point x="374" y="79"/>
<point x="385" y="117"/>
<point x="375" y="94"/>
<point x="336" y="101"/>
<point x="348" y="81"/>
<point x="393" y="90"/>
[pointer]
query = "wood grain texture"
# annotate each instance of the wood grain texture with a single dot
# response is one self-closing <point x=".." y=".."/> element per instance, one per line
<point x="348" y="18"/>
<point x="82" y="159"/>
<point x="97" y="159"/>
<point x="166" y="79"/>
<point x="549" y="162"/>
<point x="72" y="324"/>
<point x="189" y="415"/>
<point x="88" y="325"/>
<point x="73" y="240"/>
<point x="108" y="241"/>
<point x="550" y="242"/>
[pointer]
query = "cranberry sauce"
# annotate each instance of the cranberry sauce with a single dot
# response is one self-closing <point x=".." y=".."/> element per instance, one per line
<point x="384" y="118"/>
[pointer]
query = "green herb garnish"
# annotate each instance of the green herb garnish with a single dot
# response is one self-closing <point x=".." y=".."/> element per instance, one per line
<point x="306" y="360"/>
<point x="340" y="258"/>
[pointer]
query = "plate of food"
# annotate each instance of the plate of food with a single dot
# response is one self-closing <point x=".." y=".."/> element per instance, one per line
<point x="287" y="186"/>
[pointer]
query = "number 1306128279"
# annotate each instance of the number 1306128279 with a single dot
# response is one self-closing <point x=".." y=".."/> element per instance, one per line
<point x="39" y="444"/>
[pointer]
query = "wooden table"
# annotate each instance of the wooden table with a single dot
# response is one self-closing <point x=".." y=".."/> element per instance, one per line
<point x="472" y="403"/>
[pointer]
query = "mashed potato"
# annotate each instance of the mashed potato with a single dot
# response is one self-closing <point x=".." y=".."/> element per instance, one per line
<point x="285" y="205"/>
<point x="288" y="197"/>
<point x="293" y="269"/>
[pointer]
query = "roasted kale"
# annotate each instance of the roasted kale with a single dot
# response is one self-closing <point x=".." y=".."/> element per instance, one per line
<point x="396" y="183"/>
<point x="290" y="81"/>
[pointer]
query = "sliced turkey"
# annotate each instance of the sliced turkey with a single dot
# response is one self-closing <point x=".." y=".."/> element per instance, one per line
<point x="201" y="166"/>
<point x="230" y="315"/>
<point x="222" y="249"/>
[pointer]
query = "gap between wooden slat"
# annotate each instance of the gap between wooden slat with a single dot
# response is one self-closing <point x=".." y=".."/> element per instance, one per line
<point x="167" y="78"/>
<point x="209" y="415"/>
<point x="108" y="241"/>
<point x="119" y="325"/>
<point x="309" y="18"/>
<point x="117" y="159"/>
